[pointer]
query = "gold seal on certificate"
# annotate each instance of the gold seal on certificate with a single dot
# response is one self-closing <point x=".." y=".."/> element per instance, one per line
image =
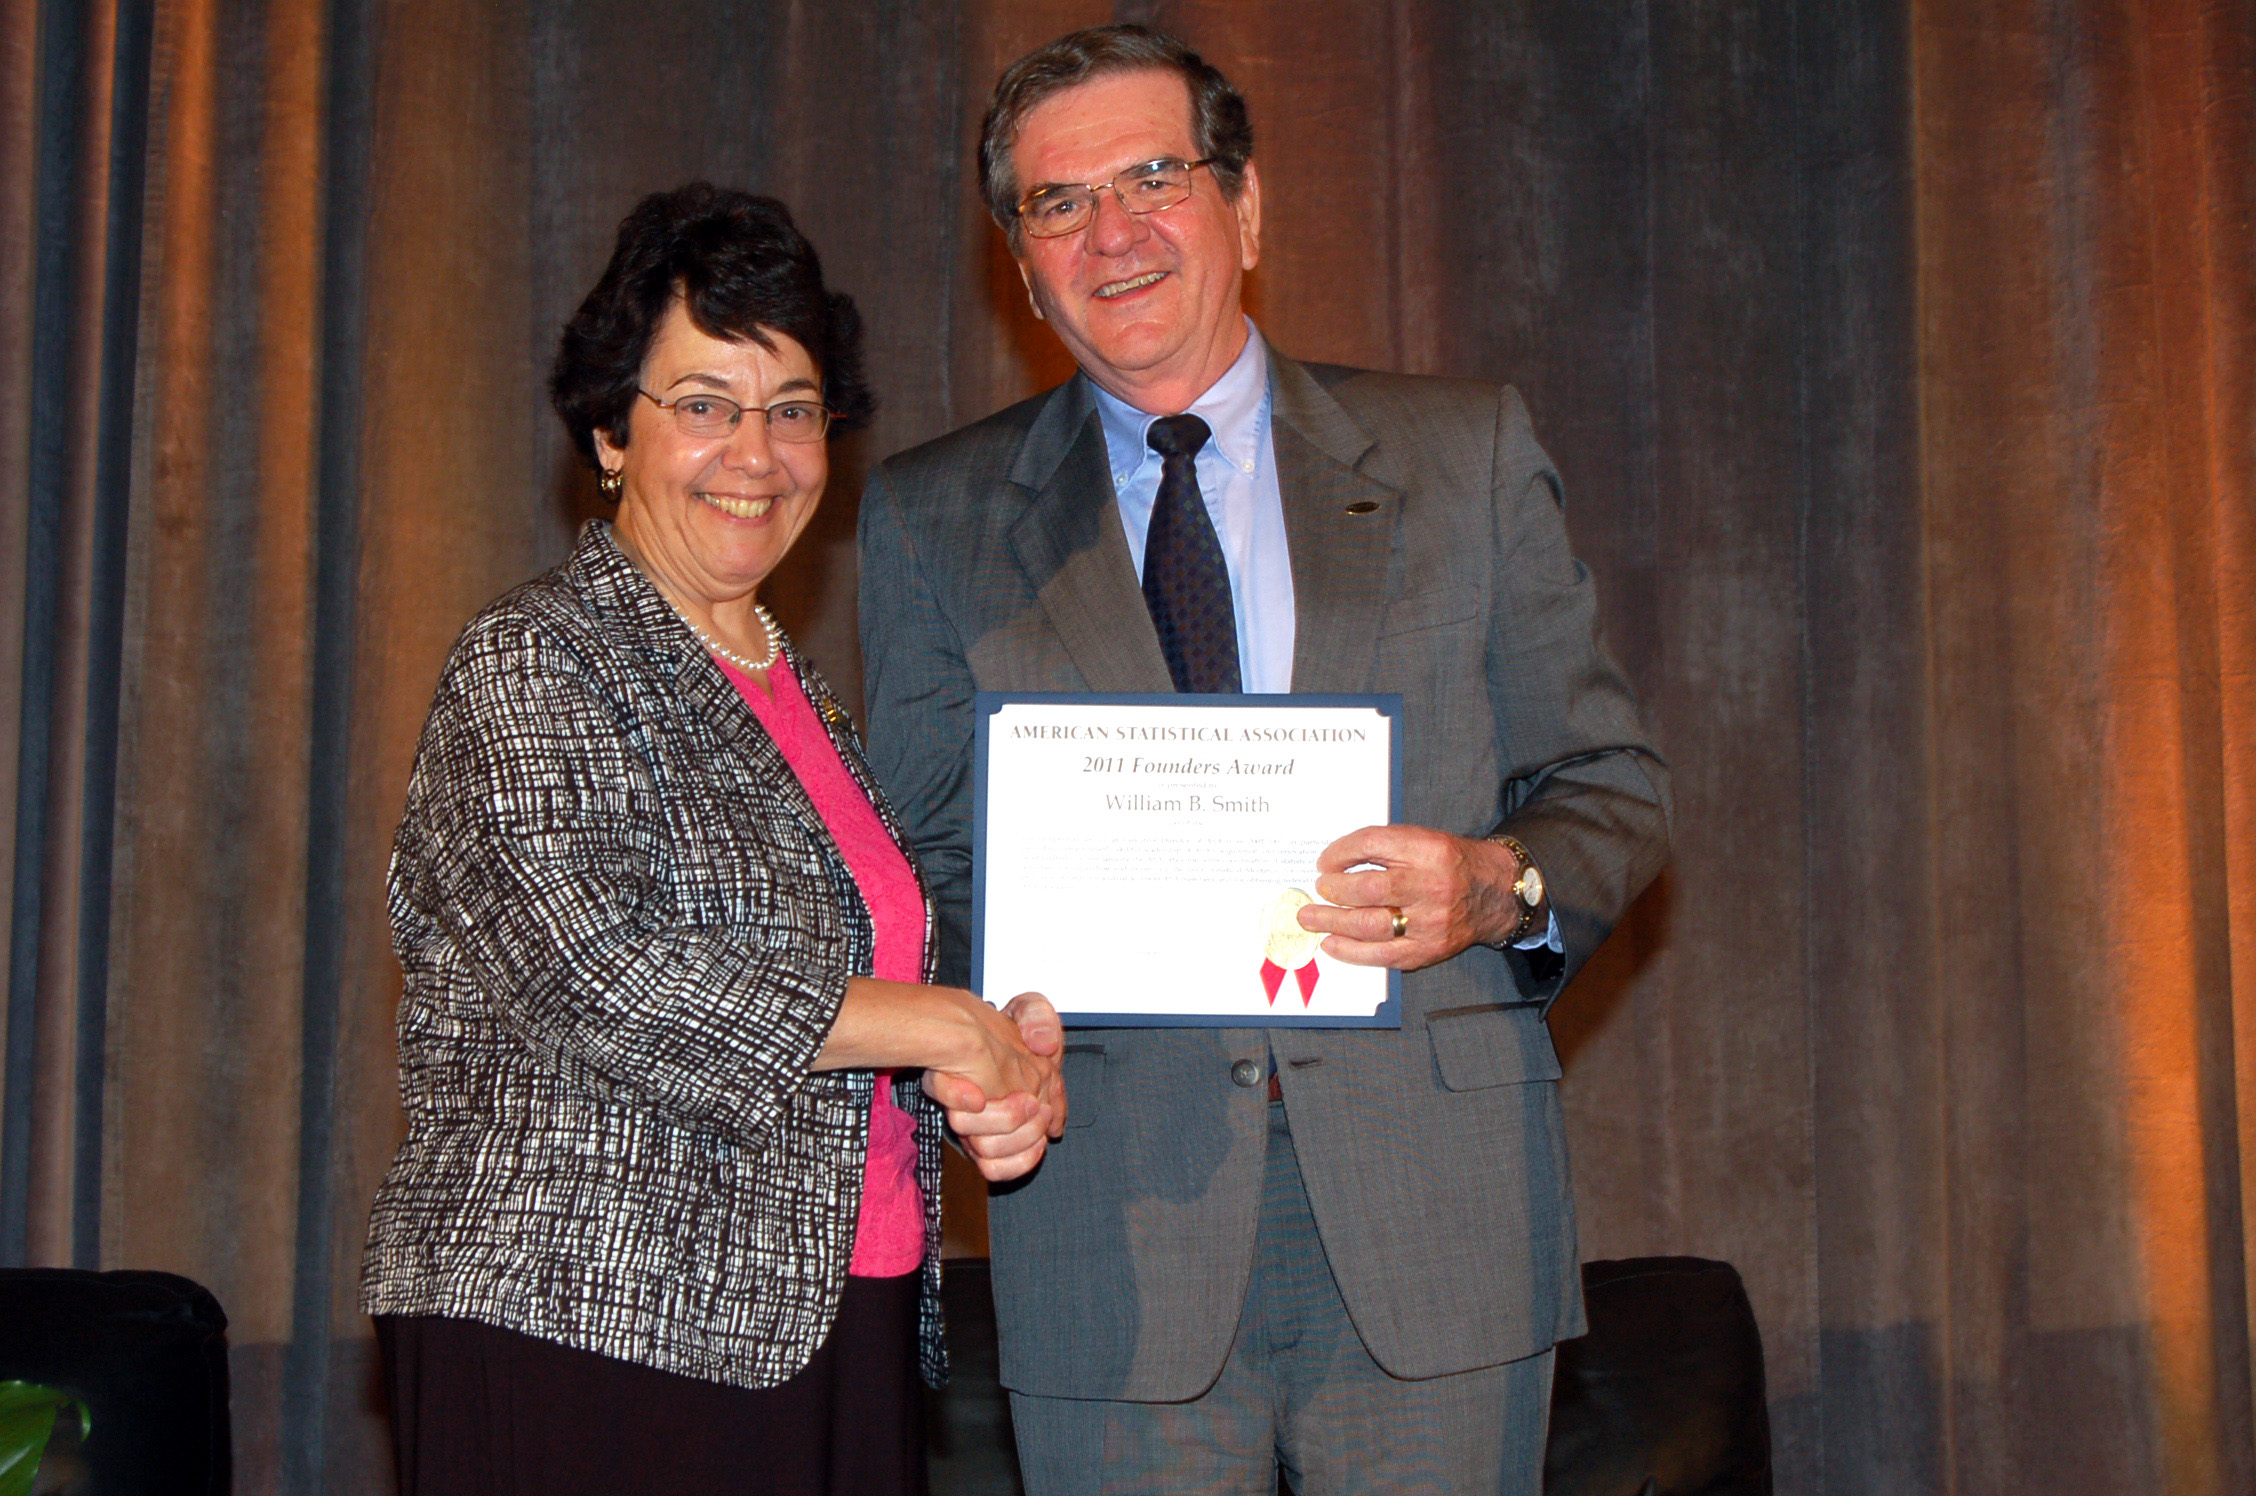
<point x="1286" y="946"/>
<point x="1191" y="824"/>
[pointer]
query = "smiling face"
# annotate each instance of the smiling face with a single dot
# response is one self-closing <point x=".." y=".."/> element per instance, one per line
<point x="1147" y="303"/>
<point x="709" y="517"/>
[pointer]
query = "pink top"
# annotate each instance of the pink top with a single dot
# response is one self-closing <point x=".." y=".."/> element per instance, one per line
<point x="889" y="1235"/>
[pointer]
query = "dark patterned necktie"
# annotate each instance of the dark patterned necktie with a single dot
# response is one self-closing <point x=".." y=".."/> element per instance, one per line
<point x="1186" y="583"/>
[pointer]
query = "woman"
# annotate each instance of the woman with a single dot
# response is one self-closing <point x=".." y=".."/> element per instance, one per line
<point x="663" y="1220"/>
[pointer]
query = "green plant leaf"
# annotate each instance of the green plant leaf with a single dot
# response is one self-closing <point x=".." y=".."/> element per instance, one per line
<point x="23" y="1441"/>
<point x="27" y="1420"/>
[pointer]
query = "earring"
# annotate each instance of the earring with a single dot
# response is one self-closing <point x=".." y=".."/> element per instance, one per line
<point x="609" y="482"/>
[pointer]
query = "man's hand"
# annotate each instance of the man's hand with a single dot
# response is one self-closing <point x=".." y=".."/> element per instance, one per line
<point x="1453" y="891"/>
<point x="1006" y="1135"/>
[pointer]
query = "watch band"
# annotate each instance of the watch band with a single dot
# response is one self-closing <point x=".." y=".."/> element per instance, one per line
<point x="1519" y="896"/>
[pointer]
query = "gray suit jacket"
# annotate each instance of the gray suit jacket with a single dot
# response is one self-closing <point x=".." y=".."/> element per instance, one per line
<point x="993" y="559"/>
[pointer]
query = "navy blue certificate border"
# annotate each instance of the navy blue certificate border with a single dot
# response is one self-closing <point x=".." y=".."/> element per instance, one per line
<point x="988" y="703"/>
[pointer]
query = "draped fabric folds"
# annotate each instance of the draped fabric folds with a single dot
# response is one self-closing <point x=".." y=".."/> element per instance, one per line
<point x="1900" y="358"/>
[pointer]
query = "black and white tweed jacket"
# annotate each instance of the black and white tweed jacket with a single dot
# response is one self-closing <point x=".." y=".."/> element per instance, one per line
<point x="625" y="932"/>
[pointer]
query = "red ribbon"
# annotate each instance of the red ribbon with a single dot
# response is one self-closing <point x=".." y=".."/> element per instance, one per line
<point x="1273" y="977"/>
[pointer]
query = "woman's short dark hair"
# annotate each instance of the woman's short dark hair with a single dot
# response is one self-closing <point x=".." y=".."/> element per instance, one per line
<point x="1219" y="127"/>
<point x="740" y="268"/>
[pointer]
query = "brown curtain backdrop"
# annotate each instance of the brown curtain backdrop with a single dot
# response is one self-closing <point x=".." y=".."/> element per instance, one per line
<point x="1901" y="360"/>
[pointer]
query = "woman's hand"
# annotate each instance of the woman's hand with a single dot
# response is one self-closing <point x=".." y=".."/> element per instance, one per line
<point x="1005" y="1108"/>
<point x="996" y="1073"/>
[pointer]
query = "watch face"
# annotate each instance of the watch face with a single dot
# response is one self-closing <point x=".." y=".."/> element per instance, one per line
<point x="1530" y="887"/>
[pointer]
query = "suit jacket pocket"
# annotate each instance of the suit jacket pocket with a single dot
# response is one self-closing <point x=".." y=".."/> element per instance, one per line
<point x="1083" y="1069"/>
<point x="1437" y="608"/>
<point x="1491" y="1045"/>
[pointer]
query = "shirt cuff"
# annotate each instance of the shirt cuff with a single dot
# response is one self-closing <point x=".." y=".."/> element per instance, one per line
<point x="1549" y="940"/>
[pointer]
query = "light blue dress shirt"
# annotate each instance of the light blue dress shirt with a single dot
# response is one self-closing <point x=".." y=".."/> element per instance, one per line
<point x="1237" y="473"/>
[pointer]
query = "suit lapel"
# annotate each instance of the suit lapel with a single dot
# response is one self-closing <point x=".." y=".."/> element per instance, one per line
<point x="713" y="699"/>
<point x="1070" y="542"/>
<point x="640" y="619"/>
<point x="1339" y="556"/>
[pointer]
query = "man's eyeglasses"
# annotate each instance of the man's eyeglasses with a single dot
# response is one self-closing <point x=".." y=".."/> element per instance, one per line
<point x="1053" y="212"/>
<point x="703" y="415"/>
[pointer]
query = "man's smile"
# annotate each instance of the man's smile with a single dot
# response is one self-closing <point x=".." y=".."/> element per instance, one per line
<point x="1123" y="287"/>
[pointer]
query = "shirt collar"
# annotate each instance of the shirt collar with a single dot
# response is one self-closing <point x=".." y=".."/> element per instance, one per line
<point x="1234" y="406"/>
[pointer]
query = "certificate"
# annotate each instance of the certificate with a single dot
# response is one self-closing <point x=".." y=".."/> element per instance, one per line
<point x="1139" y="860"/>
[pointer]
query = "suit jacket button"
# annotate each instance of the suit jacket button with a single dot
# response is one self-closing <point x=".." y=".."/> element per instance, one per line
<point x="1246" y="1073"/>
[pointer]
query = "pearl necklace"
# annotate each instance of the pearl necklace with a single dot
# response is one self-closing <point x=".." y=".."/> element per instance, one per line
<point x="749" y="667"/>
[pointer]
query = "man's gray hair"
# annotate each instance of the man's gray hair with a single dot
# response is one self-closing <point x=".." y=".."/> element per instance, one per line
<point x="1219" y="127"/>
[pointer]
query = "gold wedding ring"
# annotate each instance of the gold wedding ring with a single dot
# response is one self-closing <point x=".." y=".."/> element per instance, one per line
<point x="1401" y="921"/>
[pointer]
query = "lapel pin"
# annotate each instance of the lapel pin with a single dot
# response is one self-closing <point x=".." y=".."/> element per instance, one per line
<point x="1363" y="506"/>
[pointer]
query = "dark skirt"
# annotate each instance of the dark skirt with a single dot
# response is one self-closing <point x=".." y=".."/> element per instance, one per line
<point x="482" y="1411"/>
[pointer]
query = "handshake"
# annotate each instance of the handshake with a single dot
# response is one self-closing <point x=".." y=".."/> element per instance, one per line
<point x="1004" y="1098"/>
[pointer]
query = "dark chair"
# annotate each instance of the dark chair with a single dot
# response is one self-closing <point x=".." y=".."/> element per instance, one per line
<point x="1664" y="1396"/>
<point x="147" y="1352"/>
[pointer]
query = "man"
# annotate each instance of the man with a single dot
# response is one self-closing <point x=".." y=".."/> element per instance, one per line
<point x="1348" y="1251"/>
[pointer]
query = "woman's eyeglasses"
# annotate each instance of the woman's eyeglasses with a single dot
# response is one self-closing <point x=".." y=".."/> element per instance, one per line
<point x="704" y="415"/>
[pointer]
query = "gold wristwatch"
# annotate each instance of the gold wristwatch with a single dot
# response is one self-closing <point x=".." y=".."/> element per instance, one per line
<point x="1527" y="889"/>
